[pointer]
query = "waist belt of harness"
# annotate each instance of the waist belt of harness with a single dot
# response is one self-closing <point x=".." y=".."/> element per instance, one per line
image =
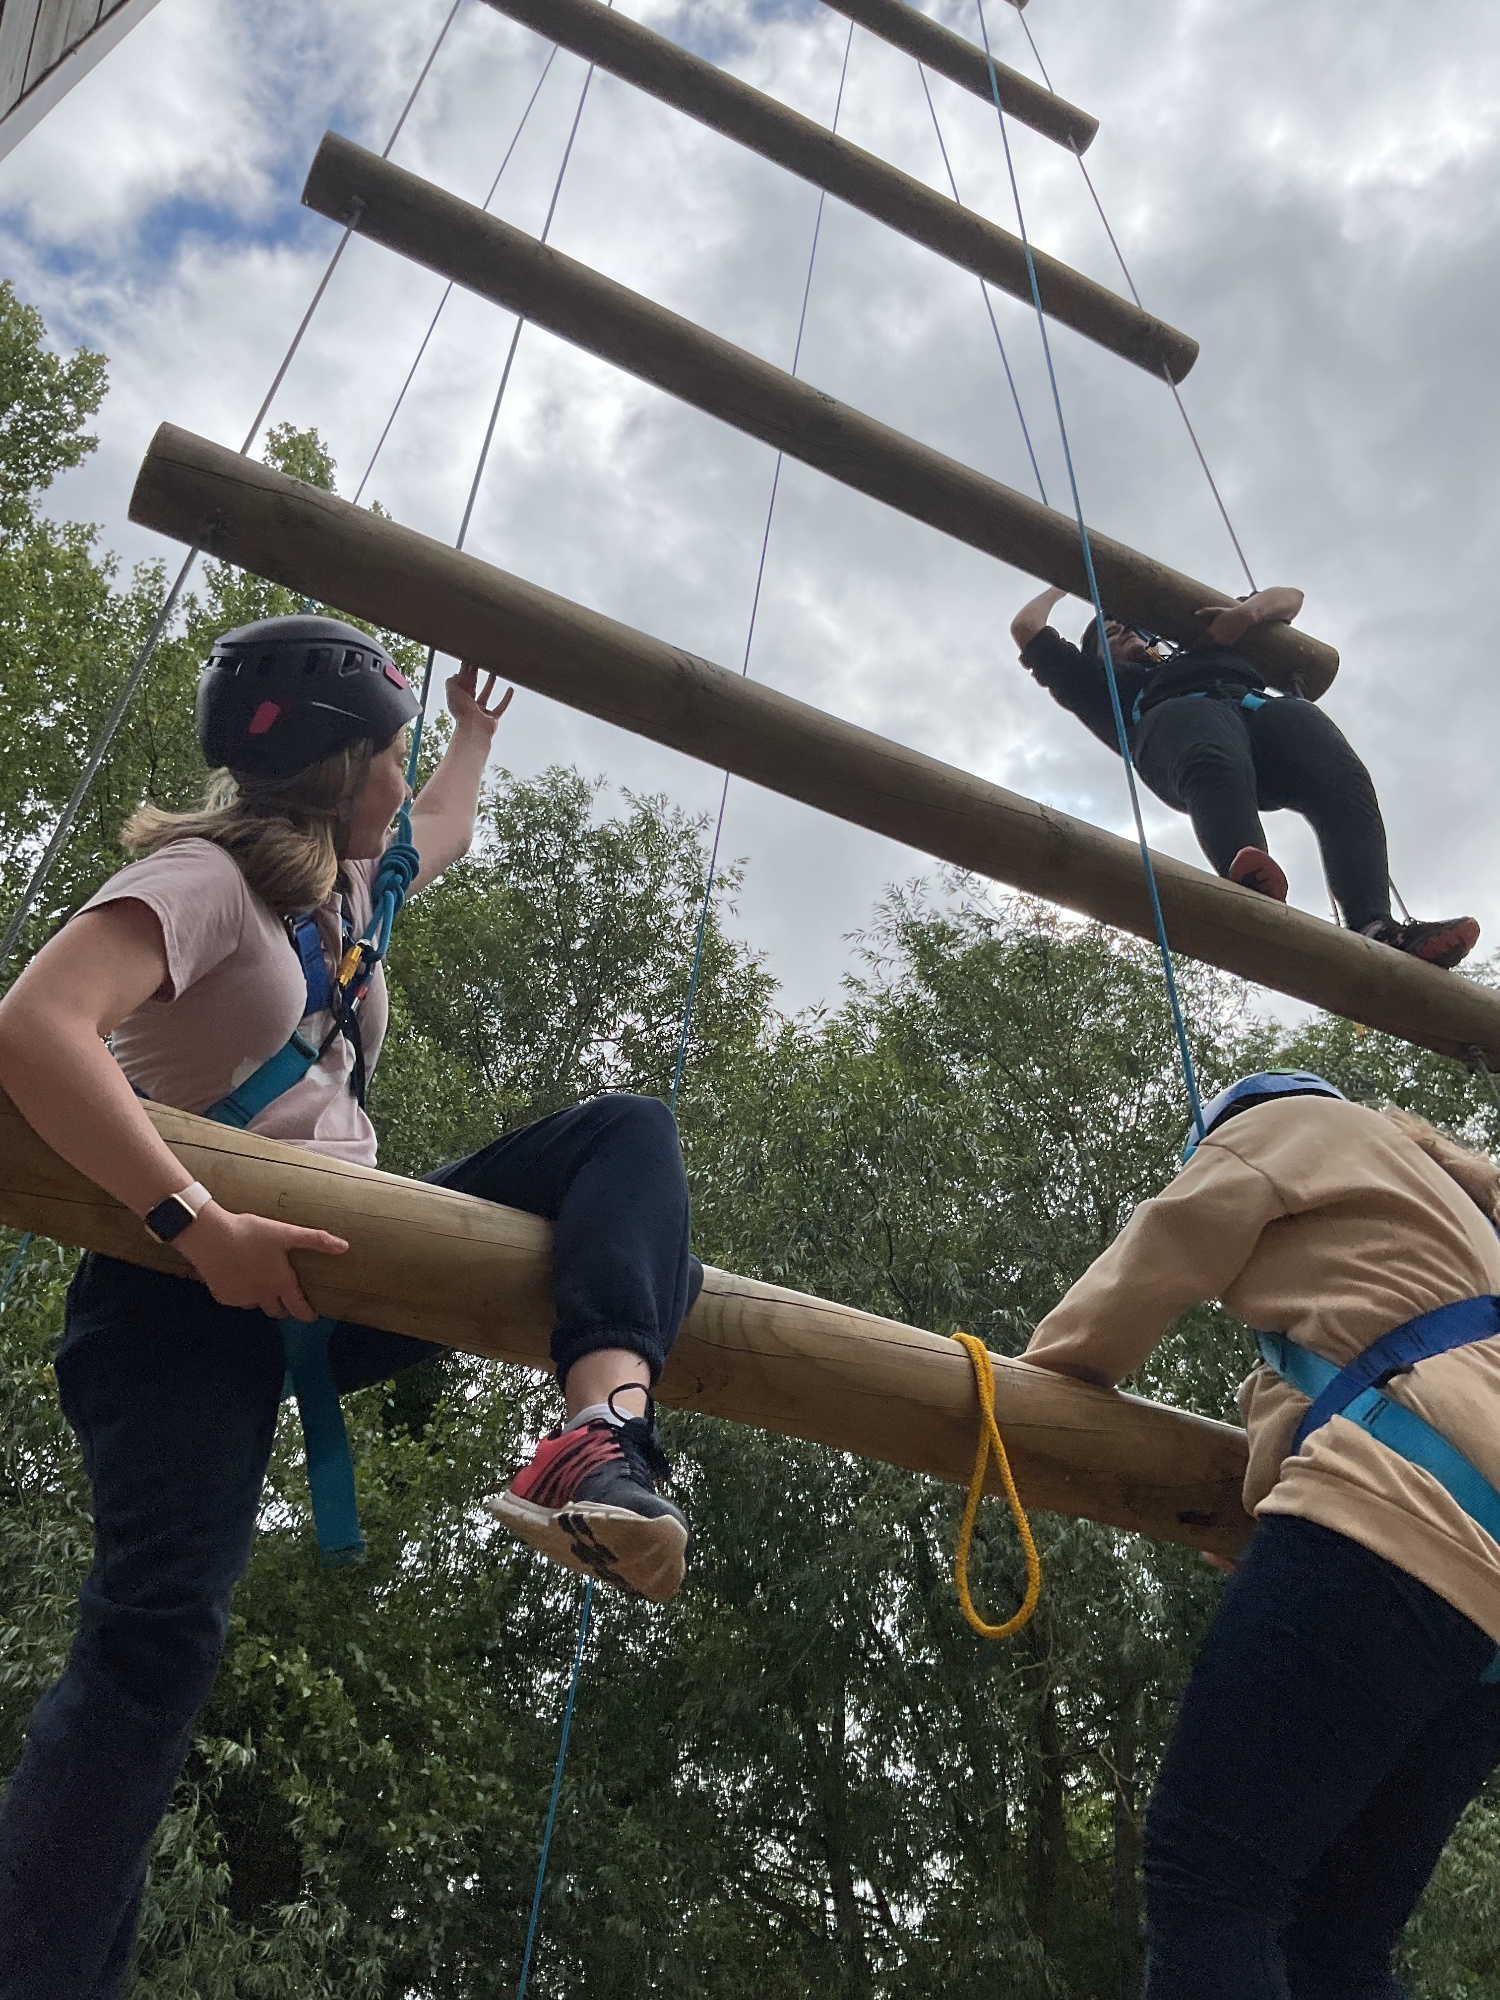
<point x="1251" y="700"/>
<point x="1353" y="1393"/>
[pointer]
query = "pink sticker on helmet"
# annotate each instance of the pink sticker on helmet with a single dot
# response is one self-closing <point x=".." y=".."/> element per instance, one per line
<point x="263" y="717"/>
<point x="395" y="674"/>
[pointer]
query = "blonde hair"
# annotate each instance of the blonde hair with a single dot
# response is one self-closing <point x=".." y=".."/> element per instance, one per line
<point x="286" y="834"/>
<point x="1475" y="1172"/>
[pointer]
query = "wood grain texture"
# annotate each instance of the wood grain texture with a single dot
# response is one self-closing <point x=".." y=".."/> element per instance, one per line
<point x="61" y="26"/>
<point x="503" y="264"/>
<point x="450" y="1268"/>
<point x="965" y="63"/>
<point x="315" y="543"/>
<point x="18" y="23"/>
<point x="676" y="77"/>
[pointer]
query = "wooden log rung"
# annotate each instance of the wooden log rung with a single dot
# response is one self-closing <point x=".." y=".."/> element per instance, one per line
<point x="321" y="546"/>
<point x="676" y="77"/>
<point x="358" y="189"/>
<point x="448" y="1267"/>
<point x="965" y="64"/>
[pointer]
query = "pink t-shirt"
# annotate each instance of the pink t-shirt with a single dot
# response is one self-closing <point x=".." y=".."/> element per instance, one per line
<point x="235" y="991"/>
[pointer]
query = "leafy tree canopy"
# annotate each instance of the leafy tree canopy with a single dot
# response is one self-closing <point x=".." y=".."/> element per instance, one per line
<point x="806" y="1776"/>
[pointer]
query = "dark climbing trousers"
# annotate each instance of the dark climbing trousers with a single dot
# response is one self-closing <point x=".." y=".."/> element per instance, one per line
<point x="174" y="1402"/>
<point x="1224" y="765"/>
<point x="1334" y="1729"/>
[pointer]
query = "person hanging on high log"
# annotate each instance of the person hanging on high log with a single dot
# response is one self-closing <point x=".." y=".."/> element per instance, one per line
<point x="1345" y="1706"/>
<point x="1213" y="741"/>
<point x="198" y="964"/>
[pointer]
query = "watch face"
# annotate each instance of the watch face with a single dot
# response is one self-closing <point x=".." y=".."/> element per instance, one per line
<point x="168" y="1219"/>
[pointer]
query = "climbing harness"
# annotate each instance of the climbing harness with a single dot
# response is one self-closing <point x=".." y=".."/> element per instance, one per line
<point x="309" y="1368"/>
<point x="1256" y="698"/>
<point x="1354" y="1393"/>
<point x="990" y="1440"/>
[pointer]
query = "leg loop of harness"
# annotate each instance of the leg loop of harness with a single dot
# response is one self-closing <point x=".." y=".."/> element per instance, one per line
<point x="990" y="1440"/>
<point x="330" y="1466"/>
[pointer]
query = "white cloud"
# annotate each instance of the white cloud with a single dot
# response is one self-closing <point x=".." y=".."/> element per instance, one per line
<point x="1307" y="191"/>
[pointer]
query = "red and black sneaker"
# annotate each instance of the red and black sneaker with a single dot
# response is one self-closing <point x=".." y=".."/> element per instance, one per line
<point x="1447" y="944"/>
<point x="1254" y="869"/>
<point x="588" y="1500"/>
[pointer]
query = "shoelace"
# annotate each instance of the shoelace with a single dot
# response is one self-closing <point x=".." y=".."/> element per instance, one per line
<point x="641" y="1448"/>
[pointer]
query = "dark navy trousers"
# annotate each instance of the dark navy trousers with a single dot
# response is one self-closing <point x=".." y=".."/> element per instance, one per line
<point x="1224" y="765"/>
<point x="174" y="1401"/>
<point x="1334" y="1728"/>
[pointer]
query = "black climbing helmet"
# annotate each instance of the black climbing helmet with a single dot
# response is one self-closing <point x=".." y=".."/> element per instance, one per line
<point x="284" y="693"/>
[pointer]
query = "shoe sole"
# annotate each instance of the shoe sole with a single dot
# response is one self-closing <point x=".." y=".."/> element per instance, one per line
<point x="1450" y="947"/>
<point x="1265" y="878"/>
<point x="646" y="1556"/>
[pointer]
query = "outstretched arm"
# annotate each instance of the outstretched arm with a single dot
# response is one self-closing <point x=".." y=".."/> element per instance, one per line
<point x="1033" y="617"/>
<point x="443" y="813"/>
<point x="1277" y="606"/>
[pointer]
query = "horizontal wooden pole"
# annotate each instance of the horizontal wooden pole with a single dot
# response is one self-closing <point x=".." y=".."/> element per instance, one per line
<point x="322" y="546"/>
<point x="450" y="1268"/>
<point x="802" y="146"/>
<point x="489" y="257"/>
<point x="965" y="63"/>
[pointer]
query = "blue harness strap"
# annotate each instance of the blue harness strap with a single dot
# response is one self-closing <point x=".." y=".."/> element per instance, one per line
<point x="1438" y="1332"/>
<point x="1353" y="1393"/>
<point x="273" y="1079"/>
<point x="330" y="1464"/>
<point x="1250" y="701"/>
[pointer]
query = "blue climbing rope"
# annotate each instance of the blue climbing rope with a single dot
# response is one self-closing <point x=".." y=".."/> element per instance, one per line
<point x="1185" y="1054"/>
<point x="15" y="1264"/>
<point x="760" y="577"/>
<point x="557" y="1778"/>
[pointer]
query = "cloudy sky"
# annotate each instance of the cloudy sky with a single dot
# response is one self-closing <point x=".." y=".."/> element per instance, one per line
<point x="1307" y="190"/>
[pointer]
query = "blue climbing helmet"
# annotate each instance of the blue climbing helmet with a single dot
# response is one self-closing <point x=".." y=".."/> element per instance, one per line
<point x="1260" y="1088"/>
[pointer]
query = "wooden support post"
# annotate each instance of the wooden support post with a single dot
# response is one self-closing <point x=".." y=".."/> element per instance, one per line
<point x="321" y="546"/>
<point x="450" y="1268"/>
<point x="689" y="84"/>
<point x="487" y="256"/>
<point x="964" y="63"/>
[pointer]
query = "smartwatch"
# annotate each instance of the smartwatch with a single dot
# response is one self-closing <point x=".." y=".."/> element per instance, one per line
<point x="170" y="1217"/>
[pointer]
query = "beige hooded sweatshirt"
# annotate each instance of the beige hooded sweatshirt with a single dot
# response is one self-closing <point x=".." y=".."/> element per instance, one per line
<point x="1323" y="1221"/>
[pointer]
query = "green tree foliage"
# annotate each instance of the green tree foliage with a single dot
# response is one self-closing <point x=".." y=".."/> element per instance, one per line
<point x="806" y="1776"/>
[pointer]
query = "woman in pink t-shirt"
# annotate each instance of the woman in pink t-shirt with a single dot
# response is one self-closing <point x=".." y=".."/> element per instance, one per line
<point x="188" y="965"/>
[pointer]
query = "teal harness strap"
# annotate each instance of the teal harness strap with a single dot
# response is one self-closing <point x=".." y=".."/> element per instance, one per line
<point x="309" y="1372"/>
<point x="1400" y="1430"/>
<point x="330" y="1464"/>
<point x="277" y="1075"/>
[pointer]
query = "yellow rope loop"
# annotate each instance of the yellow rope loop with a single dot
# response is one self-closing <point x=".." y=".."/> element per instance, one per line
<point x="990" y="1440"/>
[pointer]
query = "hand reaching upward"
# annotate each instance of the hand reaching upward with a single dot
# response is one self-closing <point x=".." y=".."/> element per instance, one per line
<point x="473" y="707"/>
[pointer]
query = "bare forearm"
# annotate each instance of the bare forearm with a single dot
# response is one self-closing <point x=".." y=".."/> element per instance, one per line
<point x="1032" y="617"/>
<point x="443" y="814"/>
<point x="72" y="1092"/>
